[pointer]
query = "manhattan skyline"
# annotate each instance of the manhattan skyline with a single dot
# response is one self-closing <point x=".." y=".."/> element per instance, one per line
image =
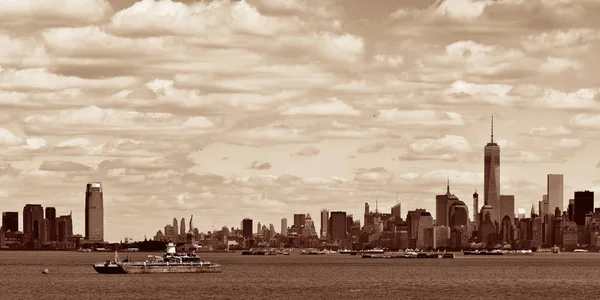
<point x="263" y="109"/>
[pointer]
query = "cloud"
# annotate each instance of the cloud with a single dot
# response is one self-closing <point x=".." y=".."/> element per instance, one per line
<point x="269" y="134"/>
<point x="445" y="148"/>
<point x="41" y="79"/>
<point x="257" y="165"/>
<point x="7" y="138"/>
<point x="63" y="166"/>
<point x="585" y="121"/>
<point x="51" y="13"/>
<point x="166" y="17"/>
<point x="307" y="151"/>
<point x="378" y="174"/>
<point x="568" y="143"/>
<point x="334" y="107"/>
<point x="420" y="117"/>
<point x="461" y="91"/>
<point x="371" y="148"/>
<point x="549" y="132"/>
<point x="99" y="120"/>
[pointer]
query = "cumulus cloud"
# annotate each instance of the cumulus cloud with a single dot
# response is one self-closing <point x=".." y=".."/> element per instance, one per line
<point x="98" y="120"/>
<point x="307" y="151"/>
<point x="550" y="132"/>
<point x="51" y="13"/>
<point x="371" y="148"/>
<point x="257" y="165"/>
<point x="334" y="107"/>
<point x="445" y="148"/>
<point x="420" y="117"/>
<point x="7" y="138"/>
<point x="63" y="166"/>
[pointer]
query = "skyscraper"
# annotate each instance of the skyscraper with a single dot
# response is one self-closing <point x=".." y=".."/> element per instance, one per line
<point x="397" y="211"/>
<point x="584" y="203"/>
<point x="247" y="228"/>
<point x="284" y="227"/>
<point x="10" y="221"/>
<point x="52" y="229"/>
<point x="33" y="215"/>
<point x="182" y="226"/>
<point x="175" y="228"/>
<point x="94" y="212"/>
<point x="555" y="193"/>
<point x="491" y="181"/>
<point x="442" y="206"/>
<point x="64" y="226"/>
<point x="324" y="222"/>
<point x="507" y="207"/>
<point x="476" y="208"/>
<point x="337" y="225"/>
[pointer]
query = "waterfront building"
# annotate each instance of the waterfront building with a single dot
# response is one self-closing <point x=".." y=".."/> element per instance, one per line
<point x="10" y="221"/>
<point x="555" y="192"/>
<point x="491" y="181"/>
<point x="324" y="222"/>
<point x="94" y="212"/>
<point x="51" y="220"/>
<point x="33" y="215"/>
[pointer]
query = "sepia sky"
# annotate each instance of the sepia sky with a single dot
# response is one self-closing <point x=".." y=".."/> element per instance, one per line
<point x="266" y="108"/>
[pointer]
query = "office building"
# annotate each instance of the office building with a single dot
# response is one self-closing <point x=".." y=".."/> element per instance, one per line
<point x="337" y="225"/>
<point x="175" y="228"/>
<point x="247" y="228"/>
<point x="10" y="221"/>
<point x="324" y="222"/>
<point x="584" y="204"/>
<point x="284" y="227"/>
<point x="555" y="194"/>
<point x="299" y="220"/>
<point x="491" y="177"/>
<point x="65" y="227"/>
<point x="33" y="215"/>
<point x="52" y="229"/>
<point x="94" y="212"/>
<point x="397" y="211"/>
<point x="507" y="207"/>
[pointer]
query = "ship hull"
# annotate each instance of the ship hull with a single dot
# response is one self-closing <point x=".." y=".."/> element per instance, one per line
<point x="111" y="269"/>
<point x="134" y="269"/>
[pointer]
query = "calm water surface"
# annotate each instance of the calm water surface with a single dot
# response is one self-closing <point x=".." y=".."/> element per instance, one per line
<point x="541" y="276"/>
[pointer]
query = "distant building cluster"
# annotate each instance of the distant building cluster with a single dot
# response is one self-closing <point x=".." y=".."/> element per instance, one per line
<point x="43" y="229"/>
<point x="491" y="224"/>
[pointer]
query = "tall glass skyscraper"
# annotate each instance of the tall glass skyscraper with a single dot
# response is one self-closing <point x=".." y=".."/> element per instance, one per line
<point x="94" y="212"/>
<point x="491" y="184"/>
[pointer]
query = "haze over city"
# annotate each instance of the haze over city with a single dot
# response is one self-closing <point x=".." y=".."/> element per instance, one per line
<point x="264" y="108"/>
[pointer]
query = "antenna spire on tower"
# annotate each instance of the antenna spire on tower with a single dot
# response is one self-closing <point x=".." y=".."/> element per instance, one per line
<point x="492" y="128"/>
<point x="376" y="204"/>
<point x="448" y="186"/>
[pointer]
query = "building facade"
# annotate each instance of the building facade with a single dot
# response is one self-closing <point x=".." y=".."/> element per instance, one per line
<point x="94" y="212"/>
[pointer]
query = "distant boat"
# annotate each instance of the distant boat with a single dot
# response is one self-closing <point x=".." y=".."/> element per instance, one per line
<point x="555" y="249"/>
<point x="580" y="250"/>
<point x="170" y="262"/>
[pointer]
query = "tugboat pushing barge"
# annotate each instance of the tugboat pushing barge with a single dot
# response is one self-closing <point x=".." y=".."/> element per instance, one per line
<point x="170" y="262"/>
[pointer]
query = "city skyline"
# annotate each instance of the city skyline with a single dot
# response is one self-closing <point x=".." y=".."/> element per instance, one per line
<point x="268" y="109"/>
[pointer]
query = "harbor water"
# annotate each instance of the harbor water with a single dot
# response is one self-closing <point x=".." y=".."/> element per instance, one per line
<point x="335" y="276"/>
